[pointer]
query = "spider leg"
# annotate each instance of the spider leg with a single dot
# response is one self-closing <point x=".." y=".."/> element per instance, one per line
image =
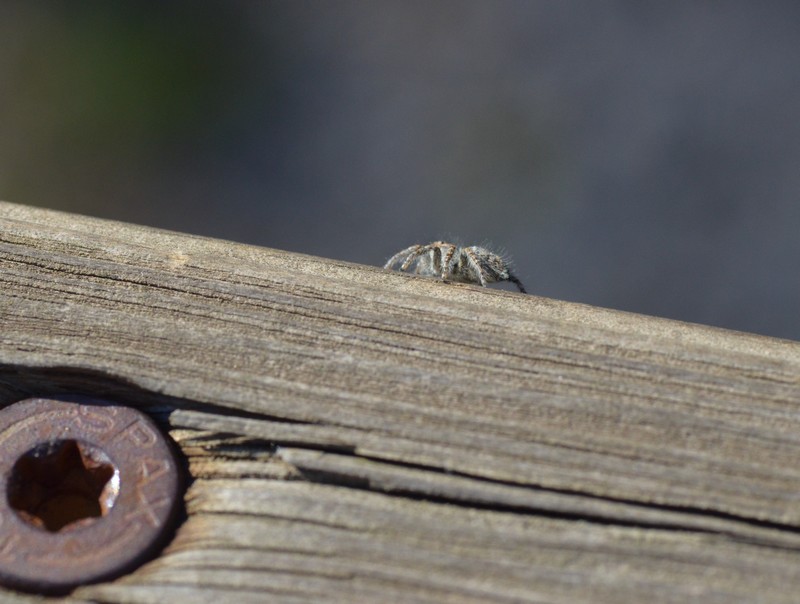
<point x="404" y="255"/>
<point x="414" y="255"/>
<point x="516" y="282"/>
<point x="475" y="263"/>
<point x="419" y="251"/>
<point x="448" y="258"/>
<point x="436" y="259"/>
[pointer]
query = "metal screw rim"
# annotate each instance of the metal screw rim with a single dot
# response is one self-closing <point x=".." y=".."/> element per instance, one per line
<point x="35" y="559"/>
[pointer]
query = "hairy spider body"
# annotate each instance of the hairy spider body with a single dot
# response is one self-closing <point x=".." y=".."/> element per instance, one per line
<point x="449" y="262"/>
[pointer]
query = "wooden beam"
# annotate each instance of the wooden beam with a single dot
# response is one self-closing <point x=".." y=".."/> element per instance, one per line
<point x="356" y="434"/>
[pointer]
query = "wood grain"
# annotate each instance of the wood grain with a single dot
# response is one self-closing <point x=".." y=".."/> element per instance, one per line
<point x="355" y="434"/>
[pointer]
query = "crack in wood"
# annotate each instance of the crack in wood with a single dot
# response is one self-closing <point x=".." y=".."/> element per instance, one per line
<point x="465" y="444"/>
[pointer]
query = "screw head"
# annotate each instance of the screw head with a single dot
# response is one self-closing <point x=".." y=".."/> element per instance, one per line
<point x="89" y="490"/>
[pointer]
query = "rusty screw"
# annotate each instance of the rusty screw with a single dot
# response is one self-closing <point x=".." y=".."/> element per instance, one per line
<point x="89" y="489"/>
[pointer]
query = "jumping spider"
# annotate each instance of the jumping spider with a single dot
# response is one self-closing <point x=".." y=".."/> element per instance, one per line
<point x="471" y="264"/>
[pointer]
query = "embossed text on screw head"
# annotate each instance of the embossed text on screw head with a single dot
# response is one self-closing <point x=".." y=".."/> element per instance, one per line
<point x="89" y="491"/>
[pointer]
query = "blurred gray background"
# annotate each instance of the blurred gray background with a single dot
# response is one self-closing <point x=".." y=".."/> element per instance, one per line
<point x="635" y="155"/>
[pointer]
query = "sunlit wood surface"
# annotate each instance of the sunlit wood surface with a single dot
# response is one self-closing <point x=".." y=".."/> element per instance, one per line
<point x="359" y="435"/>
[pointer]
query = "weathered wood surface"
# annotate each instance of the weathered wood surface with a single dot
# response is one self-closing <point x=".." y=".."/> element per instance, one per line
<point x="355" y="434"/>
